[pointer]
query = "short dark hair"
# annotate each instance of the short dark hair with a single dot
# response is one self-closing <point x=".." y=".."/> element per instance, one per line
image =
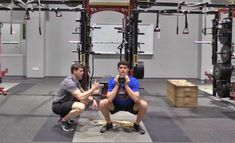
<point x="125" y="63"/>
<point x="75" y="66"/>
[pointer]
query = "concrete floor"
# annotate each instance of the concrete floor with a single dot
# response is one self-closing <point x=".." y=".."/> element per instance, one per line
<point x="26" y="117"/>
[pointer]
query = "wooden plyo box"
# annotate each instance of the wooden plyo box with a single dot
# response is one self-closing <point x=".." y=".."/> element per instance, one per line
<point x="182" y="93"/>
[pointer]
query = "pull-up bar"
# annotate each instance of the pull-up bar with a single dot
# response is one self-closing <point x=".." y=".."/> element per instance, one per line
<point x="172" y="11"/>
<point x="140" y="3"/>
<point x="190" y="4"/>
<point x="43" y="9"/>
<point x="67" y="2"/>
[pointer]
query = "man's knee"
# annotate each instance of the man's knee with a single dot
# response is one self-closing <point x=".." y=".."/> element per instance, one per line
<point x="144" y="104"/>
<point x="79" y="107"/>
<point x="104" y="103"/>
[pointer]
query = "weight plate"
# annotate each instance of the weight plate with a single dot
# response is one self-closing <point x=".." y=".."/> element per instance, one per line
<point x="139" y="70"/>
<point x="223" y="89"/>
<point x="73" y="4"/>
<point x="223" y="35"/>
<point x="222" y="71"/>
<point x="6" y="2"/>
<point x="146" y="3"/>
<point x="226" y="54"/>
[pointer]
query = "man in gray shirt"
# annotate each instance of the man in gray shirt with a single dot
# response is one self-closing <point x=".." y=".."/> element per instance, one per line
<point x="70" y="100"/>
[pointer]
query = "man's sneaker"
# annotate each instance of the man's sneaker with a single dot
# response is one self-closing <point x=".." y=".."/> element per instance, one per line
<point x="71" y="122"/>
<point x="106" y="127"/>
<point x="64" y="126"/>
<point x="138" y="128"/>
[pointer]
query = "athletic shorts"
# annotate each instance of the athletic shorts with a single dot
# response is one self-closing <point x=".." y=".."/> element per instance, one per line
<point x="62" y="109"/>
<point x="128" y="108"/>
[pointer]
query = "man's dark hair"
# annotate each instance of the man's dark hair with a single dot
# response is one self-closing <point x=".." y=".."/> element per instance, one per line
<point x="76" y="66"/>
<point x="125" y="63"/>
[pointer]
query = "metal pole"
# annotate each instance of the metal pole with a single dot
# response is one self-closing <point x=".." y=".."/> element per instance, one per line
<point x="215" y="23"/>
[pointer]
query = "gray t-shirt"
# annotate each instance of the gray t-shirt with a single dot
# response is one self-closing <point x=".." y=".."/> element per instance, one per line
<point x="66" y="88"/>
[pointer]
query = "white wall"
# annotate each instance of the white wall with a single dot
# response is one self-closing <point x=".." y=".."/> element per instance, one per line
<point x="13" y="56"/>
<point x="35" y="47"/>
<point x="59" y="54"/>
<point x="174" y="55"/>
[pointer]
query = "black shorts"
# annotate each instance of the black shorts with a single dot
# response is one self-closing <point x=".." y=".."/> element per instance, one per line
<point x="128" y="108"/>
<point x="62" y="109"/>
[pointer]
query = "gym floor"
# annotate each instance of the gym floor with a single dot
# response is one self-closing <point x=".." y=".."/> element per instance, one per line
<point x="26" y="116"/>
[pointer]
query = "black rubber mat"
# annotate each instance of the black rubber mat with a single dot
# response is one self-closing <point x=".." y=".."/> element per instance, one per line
<point x="51" y="132"/>
<point x="20" y="88"/>
<point x="162" y="128"/>
<point x="143" y="92"/>
<point x="230" y="115"/>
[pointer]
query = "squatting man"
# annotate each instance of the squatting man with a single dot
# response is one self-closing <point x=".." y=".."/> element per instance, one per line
<point x="123" y="95"/>
<point x="70" y="100"/>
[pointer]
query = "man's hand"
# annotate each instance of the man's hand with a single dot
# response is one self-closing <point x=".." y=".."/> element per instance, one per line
<point x="96" y="86"/>
<point x="116" y="80"/>
<point x="96" y="92"/>
<point x="127" y="80"/>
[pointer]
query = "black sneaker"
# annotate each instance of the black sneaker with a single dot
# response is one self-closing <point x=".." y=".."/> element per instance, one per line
<point x="138" y="128"/>
<point x="106" y="127"/>
<point x="71" y="122"/>
<point x="64" y="126"/>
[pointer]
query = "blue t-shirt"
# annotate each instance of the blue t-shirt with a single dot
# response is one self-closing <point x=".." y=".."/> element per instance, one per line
<point x="120" y="98"/>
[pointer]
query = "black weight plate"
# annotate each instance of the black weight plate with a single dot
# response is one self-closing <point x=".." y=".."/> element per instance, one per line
<point x="223" y="89"/>
<point x="73" y="4"/>
<point x="6" y="2"/>
<point x="146" y="3"/>
<point x="222" y="71"/>
<point x="226" y="54"/>
<point x="223" y="35"/>
<point x="217" y="71"/>
<point x="139" y="70"/>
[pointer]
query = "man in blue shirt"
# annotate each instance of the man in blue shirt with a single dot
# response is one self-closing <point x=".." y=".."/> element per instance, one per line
<point x="123" y="95"/>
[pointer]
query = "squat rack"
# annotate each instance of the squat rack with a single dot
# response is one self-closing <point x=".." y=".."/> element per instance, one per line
<point x="132" y="11"/>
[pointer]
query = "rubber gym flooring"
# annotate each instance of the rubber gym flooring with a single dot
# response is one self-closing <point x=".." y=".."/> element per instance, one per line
<point x="26" y="117"/>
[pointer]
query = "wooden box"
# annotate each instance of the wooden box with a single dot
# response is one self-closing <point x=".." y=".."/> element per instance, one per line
<point x="182" y="93"/>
